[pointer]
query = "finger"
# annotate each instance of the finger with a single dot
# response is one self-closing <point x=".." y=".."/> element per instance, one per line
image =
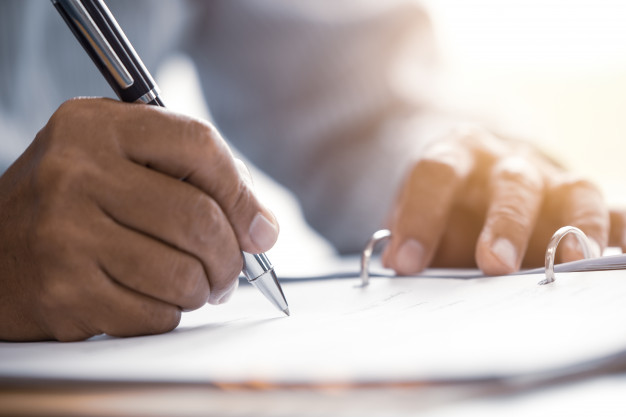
<point x="457" y="248"/>
<point x="150" y="267"/>
<point x="423" y="207"/>
<point x="516" y="197"/>
<point x="125" y="312"/>
<point x="202" y="157"/>
<point x="583" y="206"/>
<point x="178" y="214"/>
<point x="77" y="312"/>
<point x="190" y="149"/>
<point x="617" y="235"/>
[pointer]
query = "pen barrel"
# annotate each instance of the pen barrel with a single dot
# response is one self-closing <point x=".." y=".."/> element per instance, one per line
<point x="106" y="44"/>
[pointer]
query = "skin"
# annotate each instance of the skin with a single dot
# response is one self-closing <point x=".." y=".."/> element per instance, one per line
<point x="100" y="235"/>
<point x="476" y="200"/>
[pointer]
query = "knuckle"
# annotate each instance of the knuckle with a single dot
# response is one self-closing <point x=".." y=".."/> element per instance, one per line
<point x="242" y="199"/>
<point x="573" y="183"/>
<point x="63" y="173"/>
<point x="164" y="320"/>
<point x="72" y="333"/>
<point x="64" y="113"/>
<point x="446" y="159"/>
<point x="435" y="169"/>
<point x="222" y="278"/>
<point x="203" y="220"/>
<point x="189" y="276"/>
<point x="67" y="118"/>
<point x="244" y="172"/>
<point x="592" y="222"/>
<point x="519" y="171"/>
<point x="204" y="135"/>
<point x="583" y="202"/>
<point x="511" y="217"/>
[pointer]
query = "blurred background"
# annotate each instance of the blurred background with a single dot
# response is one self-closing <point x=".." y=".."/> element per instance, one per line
<point x="553" y="71"/>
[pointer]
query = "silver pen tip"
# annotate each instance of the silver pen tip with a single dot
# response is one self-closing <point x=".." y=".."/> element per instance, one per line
<point x="286" y="311"/>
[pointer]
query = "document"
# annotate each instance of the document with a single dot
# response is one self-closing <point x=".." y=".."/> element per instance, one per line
<point x="397" y="329"/>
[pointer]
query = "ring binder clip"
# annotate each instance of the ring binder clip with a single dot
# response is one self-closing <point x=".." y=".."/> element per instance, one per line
<point x="378" y="236"/>
<point x="583" y="240"/>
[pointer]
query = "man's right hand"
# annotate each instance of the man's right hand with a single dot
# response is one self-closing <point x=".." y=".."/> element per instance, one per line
<point x="98" y="234"/>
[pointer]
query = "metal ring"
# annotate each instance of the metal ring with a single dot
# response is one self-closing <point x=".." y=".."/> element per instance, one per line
<point x="378" y="236"/>
<point x="583" y="240"/>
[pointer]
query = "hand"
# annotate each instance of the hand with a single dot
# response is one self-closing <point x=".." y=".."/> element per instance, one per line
<point x="476" y="200"/>
<point x="100" y="235"/>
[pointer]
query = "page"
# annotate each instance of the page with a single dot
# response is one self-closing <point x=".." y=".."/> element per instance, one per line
<point x="396" y="329"/>
<point x="602" y="263"/>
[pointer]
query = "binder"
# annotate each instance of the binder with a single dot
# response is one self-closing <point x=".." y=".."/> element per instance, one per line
<point x="396" y="331"/>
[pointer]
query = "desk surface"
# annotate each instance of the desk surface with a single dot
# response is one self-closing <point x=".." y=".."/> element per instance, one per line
<point x="602" y="395"/>
<point x="593" y="386"/>
<point x="183" y="400"/>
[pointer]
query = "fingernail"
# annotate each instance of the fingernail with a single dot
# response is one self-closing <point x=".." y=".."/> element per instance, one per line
<point x="263" y="232"/>
<point x="229" y="293"/>
<point x="504" y="250"/>
<point x="410" y="257"/>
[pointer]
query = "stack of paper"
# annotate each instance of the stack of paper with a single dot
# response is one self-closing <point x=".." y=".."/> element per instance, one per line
<point x="396" y="329"/>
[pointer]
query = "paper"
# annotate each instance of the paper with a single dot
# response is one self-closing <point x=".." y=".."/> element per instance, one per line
<point x="603" y="263"/>
<point x="325" y="264"/>
<point x="397" y="329"/>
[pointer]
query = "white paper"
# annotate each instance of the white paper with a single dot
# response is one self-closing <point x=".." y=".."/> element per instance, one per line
<point x="603" y="263"/>
<point x="397" y="329"/>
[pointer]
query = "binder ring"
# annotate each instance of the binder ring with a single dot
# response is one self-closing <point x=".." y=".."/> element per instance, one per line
<point x="583" y="240"/>
<point x="378" y="236"/>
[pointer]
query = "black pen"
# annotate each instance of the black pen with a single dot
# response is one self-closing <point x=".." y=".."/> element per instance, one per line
<point x="102" y="38"/>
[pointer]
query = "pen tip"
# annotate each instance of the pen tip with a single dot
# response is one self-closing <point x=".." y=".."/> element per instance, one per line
<point x="286" y="311"/>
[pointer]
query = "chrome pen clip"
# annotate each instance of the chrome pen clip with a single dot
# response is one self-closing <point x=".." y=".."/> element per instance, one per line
<point x="86" y="26"/>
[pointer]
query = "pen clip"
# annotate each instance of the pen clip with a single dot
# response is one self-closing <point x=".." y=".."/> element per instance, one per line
<point x="94" y="37"/>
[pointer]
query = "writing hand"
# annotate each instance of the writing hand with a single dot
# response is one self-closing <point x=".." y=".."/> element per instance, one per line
<point x="100" y="235"/>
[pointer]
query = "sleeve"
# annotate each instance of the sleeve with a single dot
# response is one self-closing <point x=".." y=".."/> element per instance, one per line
<point x="314" y="93"/>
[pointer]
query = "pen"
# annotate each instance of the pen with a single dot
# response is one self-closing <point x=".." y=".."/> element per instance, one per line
<point x="102" y="38"/>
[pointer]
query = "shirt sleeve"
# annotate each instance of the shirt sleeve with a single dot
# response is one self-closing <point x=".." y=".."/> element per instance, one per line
<point x="315" y="93"/>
